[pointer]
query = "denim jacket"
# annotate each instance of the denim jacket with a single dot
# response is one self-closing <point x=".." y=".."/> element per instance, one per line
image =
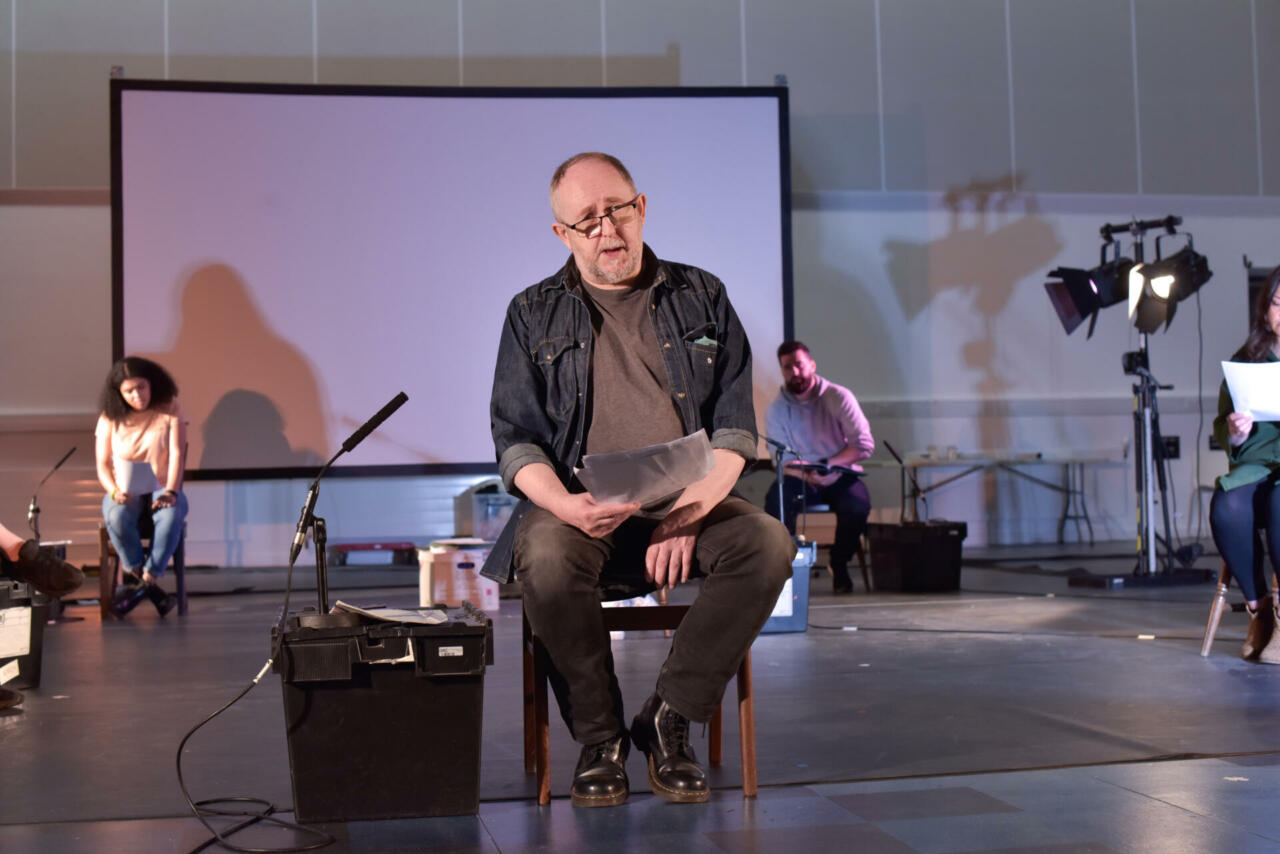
<point x="538" y="409"/>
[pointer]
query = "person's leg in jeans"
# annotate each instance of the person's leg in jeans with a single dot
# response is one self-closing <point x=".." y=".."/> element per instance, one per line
<point x="851" y="502"/>
<point x="122" y="529"/>
<point x="559" y="568"/>
<point x="166" y="533"/>
<point x="745" y="556"/>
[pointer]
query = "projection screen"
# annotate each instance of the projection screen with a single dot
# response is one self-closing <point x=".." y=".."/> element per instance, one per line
<point x="296" y="255"/>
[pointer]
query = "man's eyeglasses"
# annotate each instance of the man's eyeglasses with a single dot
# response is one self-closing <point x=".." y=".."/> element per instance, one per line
<point x="617" y="214"/>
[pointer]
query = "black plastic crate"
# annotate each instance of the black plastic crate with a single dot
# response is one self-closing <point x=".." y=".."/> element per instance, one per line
<point x="384" y="719"/>
<point x="21" y="604"/>
<point x="916" y="557"/>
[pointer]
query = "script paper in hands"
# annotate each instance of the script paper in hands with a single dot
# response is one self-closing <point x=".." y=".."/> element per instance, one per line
<point x="647" y="474"/>
<point x="1255" y="388"/>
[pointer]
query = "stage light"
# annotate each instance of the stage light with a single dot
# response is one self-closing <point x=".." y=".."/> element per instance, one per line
<point x="1079" y="294"/>
<point x="1155" y="289"/>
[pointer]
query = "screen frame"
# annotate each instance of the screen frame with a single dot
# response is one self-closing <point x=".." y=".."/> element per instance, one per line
<point x="119" y="86"/>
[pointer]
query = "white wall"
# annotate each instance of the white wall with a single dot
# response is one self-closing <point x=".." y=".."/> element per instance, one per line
<point x="906" y="115"/>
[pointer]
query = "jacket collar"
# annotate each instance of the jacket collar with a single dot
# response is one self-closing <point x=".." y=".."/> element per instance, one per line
<point x="569" y="278"/>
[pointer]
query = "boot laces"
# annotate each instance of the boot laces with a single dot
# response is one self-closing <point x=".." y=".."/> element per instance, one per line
<point x="674" y="728"/>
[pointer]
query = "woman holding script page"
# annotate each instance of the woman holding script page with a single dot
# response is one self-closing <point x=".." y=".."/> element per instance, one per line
<point x="1246" y="497"/>
<point x="140" y="439"/>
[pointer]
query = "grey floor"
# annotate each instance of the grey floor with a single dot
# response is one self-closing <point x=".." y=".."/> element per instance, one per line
<point x="1021" y="714"/>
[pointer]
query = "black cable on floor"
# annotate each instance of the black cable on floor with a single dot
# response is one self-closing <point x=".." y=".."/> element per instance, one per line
<point x="203" y="809"/>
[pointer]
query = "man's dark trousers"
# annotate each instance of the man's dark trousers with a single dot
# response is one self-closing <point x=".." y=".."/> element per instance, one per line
<point x="745" y="557"/>
<point x="848" y="499"/>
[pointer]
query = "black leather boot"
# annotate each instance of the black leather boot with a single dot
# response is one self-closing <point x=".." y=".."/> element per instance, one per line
<point x="164" y="602"/>
<point x="9" y="698"/>
<point x="662" y="734"/>
<point x="127" y="598"/>
<point x="600" y="780"/>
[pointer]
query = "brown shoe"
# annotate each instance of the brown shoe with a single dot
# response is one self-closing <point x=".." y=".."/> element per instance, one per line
<point x="1262" y="625"/>
<point x="1270" y="653"/>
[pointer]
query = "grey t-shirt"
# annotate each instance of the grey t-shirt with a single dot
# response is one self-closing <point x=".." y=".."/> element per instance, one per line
<point x="630" y="402"/>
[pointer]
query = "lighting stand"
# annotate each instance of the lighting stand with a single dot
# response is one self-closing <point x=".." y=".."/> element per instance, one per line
<point x="1149" y="458"/>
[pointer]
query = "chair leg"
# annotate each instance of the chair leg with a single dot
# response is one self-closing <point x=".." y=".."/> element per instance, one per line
<point x="530" y="718"/>
<point x="542" y="764"/>
<point x="715" y="738"/>
<point x="862" y="562"/>
<point x="108" y="570"/>
<point x="747" y="728"/>
<point x="179" y="563"/>
<point x="1215" y="611"/>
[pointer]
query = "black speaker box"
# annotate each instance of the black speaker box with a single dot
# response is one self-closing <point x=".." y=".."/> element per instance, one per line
<point x="916" y="557"/>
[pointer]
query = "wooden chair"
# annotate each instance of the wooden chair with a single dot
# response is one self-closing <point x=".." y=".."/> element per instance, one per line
<point x="537" y="736"/>
<point x="110" y="574"/>
<point x="828" y="527"/>
<point x="1215" y="610"/>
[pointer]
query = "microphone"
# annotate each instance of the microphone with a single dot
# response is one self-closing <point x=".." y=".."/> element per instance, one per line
<point x="309" y="506"/>
<point x="304" y="522"/>
<point x="786" y="449"/>
<point x="33" y="509"/>
<point x="372" y="424"/>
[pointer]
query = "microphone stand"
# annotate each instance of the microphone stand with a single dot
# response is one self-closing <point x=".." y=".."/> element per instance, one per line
<point x="33" y="509"/>
<point x="309" y="522"/>
<point x="916" y="491"/>
<point x="778" y="450"/>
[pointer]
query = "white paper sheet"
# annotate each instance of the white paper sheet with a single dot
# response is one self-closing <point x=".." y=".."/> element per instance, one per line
<point x="420" y="616"/>
<point x="1255" y="388"/>
<point x="136" y="477"/>
<point x="647" y="474"/>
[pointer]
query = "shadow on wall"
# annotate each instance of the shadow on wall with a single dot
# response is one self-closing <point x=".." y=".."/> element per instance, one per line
<point x="985" y="262"/>
<point x="252" y="397"/>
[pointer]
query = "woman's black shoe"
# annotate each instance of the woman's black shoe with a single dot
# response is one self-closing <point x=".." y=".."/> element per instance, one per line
<point x="127" y="598"/>
<point x="164" y="602"/>
<point x="662" y="734"/>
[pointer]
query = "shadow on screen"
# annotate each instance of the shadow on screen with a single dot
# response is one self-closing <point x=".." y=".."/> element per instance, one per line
<point x="253" y="398"/>
<point x="246" y="426"/>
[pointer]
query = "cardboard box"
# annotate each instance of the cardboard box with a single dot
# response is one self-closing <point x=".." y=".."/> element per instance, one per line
<point x="450" y="570"/>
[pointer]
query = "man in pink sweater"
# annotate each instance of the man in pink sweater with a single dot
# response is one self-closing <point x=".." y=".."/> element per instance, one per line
<point x="822" y="422"/>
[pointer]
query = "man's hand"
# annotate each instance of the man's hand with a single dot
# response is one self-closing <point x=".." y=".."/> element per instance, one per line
<point x="813" y="478"/>
<point x="1239" y="426"/>
<point x="595" y="520"/>
<point x="810" y="476"/>
<point x="167" y="499"/>
<point x="669" y="558"/>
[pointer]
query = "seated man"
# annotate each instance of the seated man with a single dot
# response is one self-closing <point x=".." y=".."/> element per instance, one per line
<point x="823" y="423"/>
<point x="617" y="351"/>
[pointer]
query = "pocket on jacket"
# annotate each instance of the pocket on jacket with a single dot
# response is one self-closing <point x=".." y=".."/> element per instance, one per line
<point x="557" y="356"/>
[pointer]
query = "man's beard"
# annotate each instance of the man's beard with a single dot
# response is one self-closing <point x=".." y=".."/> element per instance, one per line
<point x="618" y="275"/>
<point x="799" y="385"/>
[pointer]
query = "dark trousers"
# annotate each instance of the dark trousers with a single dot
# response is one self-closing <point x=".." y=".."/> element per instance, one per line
<point x="1234" y="515"/>
<point x="848" y="499"/>
<point x="745" y="559"/>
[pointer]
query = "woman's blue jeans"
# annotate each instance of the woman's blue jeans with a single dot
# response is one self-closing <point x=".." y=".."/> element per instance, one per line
<point x="129" y="522"/>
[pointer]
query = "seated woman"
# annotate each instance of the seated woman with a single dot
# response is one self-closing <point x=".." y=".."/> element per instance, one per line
<point x="140" y="439"/>
<point x="1246" y="497"/>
